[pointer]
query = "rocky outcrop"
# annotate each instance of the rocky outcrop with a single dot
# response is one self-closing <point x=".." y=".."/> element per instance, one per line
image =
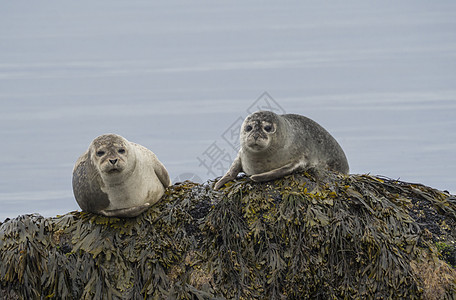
<point x="334" y="237"/>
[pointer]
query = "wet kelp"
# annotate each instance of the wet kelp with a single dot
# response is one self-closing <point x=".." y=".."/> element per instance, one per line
<point x="347" y="237"/>
<point x="303" y="236"/>
<point x="81" y="255"/>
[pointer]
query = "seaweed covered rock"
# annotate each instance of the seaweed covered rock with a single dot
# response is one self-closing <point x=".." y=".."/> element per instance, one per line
<point x="334" y="237"/>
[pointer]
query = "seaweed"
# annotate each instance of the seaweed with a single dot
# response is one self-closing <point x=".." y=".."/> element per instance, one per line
<point x="329" y="236"/>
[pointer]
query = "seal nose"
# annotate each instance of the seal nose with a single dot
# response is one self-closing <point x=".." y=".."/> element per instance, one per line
<point x="113" y="161"/>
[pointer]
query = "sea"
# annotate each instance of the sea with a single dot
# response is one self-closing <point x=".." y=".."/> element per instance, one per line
<point x="178" y="77"/>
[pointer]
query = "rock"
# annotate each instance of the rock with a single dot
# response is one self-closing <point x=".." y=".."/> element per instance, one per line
<point x="336" y="236"/>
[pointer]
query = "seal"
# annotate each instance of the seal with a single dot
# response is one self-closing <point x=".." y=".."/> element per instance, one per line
<point x="115" y="177"/>
<point x="273" y="146"/>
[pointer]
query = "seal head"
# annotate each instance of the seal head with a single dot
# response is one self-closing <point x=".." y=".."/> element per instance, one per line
<point x="259" y="132"/>
<point x="111" y="155"/>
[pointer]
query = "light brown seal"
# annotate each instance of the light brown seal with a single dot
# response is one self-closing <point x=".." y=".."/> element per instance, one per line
<point x="273" y="146"/>
<point x="115" y="177"/>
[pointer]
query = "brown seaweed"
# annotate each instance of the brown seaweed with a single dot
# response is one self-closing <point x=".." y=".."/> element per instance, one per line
<point x="335" y="237"/>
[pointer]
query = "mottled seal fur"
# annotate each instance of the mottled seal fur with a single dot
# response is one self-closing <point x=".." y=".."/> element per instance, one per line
<point x="115" y="177"/>
<point x="273" y="146"/>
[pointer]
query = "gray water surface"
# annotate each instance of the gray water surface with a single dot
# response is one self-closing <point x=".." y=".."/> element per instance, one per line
<point x="177" y="77"/>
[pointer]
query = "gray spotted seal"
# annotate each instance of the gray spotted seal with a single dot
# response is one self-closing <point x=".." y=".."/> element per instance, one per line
<point x="273" y="146"/>
<point x="115" y="177"/>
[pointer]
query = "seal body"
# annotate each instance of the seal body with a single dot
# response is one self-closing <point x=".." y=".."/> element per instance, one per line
<point x="115" y="177"/>
<point x="273" y="146"/>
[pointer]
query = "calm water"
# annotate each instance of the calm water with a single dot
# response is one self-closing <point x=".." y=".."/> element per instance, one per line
<point x="178" y="77"/>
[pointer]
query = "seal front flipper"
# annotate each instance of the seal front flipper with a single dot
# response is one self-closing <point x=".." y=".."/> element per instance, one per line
<point x="126" y="212"/>
<point x="277" y="173"/>
<point x="235" y="168"/>
<point x="162" y="174"/>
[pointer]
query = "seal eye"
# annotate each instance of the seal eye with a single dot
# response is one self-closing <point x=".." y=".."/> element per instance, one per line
<point x="268" y="128"/>
<point x="248" y="128"/>
<point x="121" y="151"/>
<point x="100" y="153"/>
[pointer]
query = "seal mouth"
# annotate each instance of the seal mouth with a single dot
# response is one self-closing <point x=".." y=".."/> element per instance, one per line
<point x="255" y="148"/>
<point x="255" y="145"/>
<point x="114" y="171"/>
